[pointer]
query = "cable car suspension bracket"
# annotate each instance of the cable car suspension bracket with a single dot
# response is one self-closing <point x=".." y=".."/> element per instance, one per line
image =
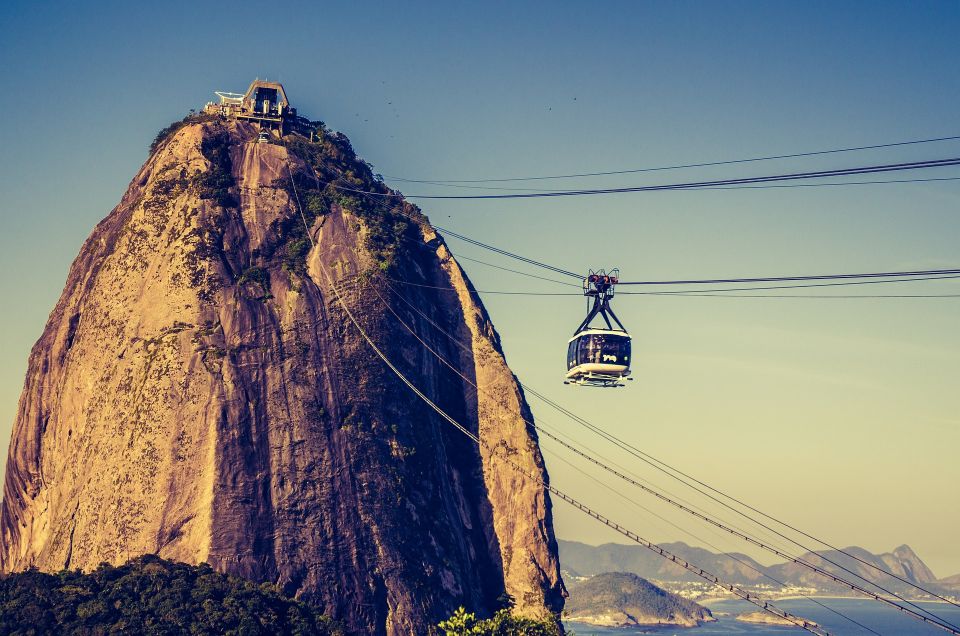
<point x="600" y="286"/>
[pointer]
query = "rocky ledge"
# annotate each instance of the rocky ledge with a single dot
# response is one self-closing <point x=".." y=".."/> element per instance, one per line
<point x="766" y="618"/>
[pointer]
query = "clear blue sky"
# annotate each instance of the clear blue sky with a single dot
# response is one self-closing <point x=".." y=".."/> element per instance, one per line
<point x="841" y="416"/>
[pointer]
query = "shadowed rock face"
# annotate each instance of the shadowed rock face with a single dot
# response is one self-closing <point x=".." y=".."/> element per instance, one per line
<point x="199" y="393"/>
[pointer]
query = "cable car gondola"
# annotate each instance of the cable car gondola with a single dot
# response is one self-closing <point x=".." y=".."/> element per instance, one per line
<point x="597" y="356"/>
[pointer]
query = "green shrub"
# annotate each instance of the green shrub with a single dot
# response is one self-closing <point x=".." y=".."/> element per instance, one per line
<point x="315" y="203"/>
<point x="503" y="623"/>
<point x="339" y="178"/>
<point x="296" y="254"/>
<point x="257" y="275"/>
<point x="216" y="182"/>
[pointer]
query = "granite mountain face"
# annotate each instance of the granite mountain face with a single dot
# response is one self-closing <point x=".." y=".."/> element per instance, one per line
<point x="200" y="393"/>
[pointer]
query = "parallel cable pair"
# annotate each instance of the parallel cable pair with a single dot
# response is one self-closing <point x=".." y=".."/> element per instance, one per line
<point x="706" y="281"/>
<point x="720" y="293"/>
<point x="540" y="428"/>
<point x="497" y="452"/>
<point x="933" y="619"/>
<point x="713" y="292"/>
<point x="795" y="155"/>
<point x="646" y="458"/>
<point x="735" y="590"/>
<point x="691" y="185"/>
<point x="740" y="593"/>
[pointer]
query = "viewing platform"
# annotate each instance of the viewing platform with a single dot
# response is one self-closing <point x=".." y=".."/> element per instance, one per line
<point x="264" y="103"/>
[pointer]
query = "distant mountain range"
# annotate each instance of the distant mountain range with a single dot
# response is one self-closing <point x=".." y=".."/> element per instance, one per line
<point x="580" y="559"/>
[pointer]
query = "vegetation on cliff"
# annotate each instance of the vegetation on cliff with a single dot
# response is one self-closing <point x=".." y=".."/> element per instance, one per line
<point x="341" y="178"/>
<point x="215" y="183"/>
<point x="150" y="595"/>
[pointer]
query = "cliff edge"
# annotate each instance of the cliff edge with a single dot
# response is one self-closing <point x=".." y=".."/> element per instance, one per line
<point x="199" y="393"/>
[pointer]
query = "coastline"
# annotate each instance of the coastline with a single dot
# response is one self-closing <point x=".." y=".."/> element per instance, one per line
<point x="860" y="609"/>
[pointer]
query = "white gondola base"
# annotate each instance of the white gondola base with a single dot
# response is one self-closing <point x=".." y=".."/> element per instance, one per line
<point x="606" y="375"/>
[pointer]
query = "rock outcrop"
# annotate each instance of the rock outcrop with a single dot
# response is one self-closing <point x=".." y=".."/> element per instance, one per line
<point x="766" y="618"/>
<point x="902" y="562"/>
<point x="905" y="563"/>
<point x="199" y="393"/>
<point x="621" y="599"/>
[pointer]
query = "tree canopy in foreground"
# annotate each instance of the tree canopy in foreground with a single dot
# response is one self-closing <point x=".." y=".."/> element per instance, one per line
<point x="150" y="595"/>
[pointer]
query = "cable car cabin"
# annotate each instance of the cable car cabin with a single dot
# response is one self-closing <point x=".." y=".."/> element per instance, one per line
<point x="598" y="357"/>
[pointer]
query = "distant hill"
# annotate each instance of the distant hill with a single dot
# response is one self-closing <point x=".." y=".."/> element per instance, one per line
<point x="903" y="562"/>
<point x="766" y="618"/>
<point x="151" y="596"/>
<point x="951" y="582"/>
<point x="621" y="599"/>
<point x="586" y="560"/>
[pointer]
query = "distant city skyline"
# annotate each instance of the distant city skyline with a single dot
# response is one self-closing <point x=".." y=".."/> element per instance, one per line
<point x="840" y="416"/>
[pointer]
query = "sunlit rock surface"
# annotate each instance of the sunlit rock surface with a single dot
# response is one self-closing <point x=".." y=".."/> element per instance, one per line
<point x="200" y="394"/>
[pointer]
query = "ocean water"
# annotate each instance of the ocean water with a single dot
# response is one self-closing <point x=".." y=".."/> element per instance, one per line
<point x="880" y="618"/>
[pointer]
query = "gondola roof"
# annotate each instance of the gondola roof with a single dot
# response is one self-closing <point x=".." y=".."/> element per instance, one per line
<point x="600" y="332"/>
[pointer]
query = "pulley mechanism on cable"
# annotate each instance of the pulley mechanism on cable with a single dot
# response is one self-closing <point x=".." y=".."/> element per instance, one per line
<point x="597" y="356"/>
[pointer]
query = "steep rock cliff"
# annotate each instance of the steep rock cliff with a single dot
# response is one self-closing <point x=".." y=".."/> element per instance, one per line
<point x="199" y="393"/>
